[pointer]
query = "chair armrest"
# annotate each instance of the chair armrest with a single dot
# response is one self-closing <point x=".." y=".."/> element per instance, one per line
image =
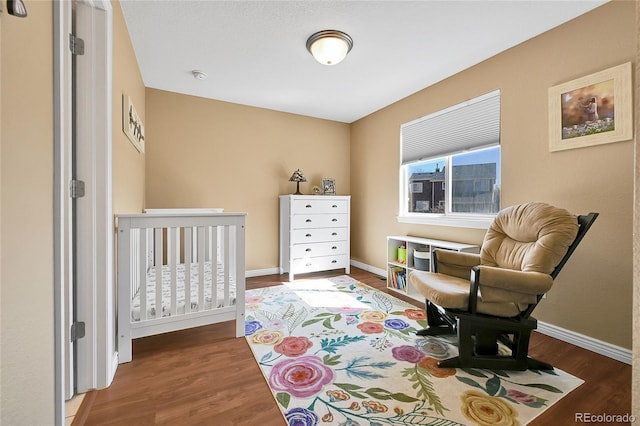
<point x="455" y="263"/>
<point x="507" y="285"/>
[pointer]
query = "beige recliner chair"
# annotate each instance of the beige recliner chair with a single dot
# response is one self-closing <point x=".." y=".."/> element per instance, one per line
<point x="488" y="298"/>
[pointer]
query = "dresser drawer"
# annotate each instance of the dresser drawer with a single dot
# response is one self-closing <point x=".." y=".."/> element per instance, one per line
<point x="326" y="263"/>
<point x="319" y="249"/>
<point x="318" y="235"/>
<point x="320" y="221"/>
<point x="319" y="206"/>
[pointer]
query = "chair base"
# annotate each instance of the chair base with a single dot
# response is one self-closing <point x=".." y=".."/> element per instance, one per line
<point x="439" y="322"/>
<point x="479" y="337"/>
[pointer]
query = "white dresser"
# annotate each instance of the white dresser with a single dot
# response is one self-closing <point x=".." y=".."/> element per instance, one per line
<point x="314" y="233"/>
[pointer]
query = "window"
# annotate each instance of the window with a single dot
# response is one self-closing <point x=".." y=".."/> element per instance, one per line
<point x="450" y="165"/>
<point x="416" y="187"/>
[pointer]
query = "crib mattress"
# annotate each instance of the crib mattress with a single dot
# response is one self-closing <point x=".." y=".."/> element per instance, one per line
<point x="180" y="290"/>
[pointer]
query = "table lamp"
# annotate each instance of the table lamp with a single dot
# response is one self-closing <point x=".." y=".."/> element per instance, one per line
<point x="297" y="177"/>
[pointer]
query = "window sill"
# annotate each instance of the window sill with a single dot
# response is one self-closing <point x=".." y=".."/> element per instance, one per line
<point x="479" y="222"/>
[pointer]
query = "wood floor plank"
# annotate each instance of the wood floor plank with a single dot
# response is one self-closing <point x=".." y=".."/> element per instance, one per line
<point x="206" y="376"/>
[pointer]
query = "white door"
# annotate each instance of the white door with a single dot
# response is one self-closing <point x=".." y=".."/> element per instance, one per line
<point x="83" y="114"/>
<point x="95" y="359"/>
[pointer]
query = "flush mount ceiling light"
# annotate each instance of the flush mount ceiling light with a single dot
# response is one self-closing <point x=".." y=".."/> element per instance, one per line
<point x="199" y="75"/>
<point x="329" y="47"/>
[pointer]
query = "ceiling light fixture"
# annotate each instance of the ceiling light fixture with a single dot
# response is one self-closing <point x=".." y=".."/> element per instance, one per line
<point x="199" y="75"/>
<point x="329" y="47"/>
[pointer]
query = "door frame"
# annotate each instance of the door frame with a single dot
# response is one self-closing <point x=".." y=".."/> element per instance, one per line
<point x="62" y="267"/>
<point x="96" y="352"/>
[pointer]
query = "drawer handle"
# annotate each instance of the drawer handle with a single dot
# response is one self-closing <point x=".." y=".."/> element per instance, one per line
<point x="334" y="220"/>
<point x="308" y="235"/>
<point x="334" y="206"/>
<point x="333" y="234"/>
<point x="308" y="249"/>
<point x="334" y="261"/>
<point x="308" y="220"/>
<point x="308" y="206"/>
<point x="334" y="248"/>
<point x="308" y="264"/>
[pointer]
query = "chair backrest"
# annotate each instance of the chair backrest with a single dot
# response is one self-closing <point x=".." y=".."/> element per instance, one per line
<point x="584" y="223"/>
<point x="532" y="237"/>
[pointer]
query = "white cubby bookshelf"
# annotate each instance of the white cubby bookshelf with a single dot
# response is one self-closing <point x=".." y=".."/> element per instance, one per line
<point x="398" y="272"/>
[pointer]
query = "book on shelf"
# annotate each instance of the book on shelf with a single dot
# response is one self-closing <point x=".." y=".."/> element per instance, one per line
<point x="398" y="278"/>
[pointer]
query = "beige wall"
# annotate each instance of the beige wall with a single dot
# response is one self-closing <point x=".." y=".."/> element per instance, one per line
<point x="26" y="211"/>
<point x="593" y="294"/>
<point x="128" y="164"/>
<point x="206" y="153"/>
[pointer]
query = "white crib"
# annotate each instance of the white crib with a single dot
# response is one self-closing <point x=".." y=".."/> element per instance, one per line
<point x="199" y="255"/>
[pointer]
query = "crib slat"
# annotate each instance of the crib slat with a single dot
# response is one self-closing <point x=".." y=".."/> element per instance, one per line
<point x="142" y="272"/>
<point x="158" y="265"/>
<point x="174" y="252"/>
<point x="201" y="260"/>
<point x="215" y="243"/>
<point x="207" y="243"/>
<point x="194" y="244"/>
<point x="134" y="247"/>
<point x="188" y="241"/>
<point x="227" y="266"/>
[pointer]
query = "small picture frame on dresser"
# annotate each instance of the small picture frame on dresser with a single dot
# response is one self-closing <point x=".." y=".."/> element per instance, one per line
<point x="328" y="186"/>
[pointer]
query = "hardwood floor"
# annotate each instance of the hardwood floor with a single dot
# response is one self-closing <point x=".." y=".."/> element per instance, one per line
<point x="205" y="376"/>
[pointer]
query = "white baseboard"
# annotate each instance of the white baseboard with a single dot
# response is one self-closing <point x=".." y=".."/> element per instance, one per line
<point x="262" y="272"/>
<point x="369" y="268"/>
<point x="589" y="343"/>
<point x="272" y="271"/>
<point x="594" y="345"/>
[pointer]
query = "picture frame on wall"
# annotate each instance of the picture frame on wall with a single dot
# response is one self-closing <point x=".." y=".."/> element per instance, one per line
<point x="592" y="110"/>
<point x="132" y="125"/>
<point x="328" y="186"/>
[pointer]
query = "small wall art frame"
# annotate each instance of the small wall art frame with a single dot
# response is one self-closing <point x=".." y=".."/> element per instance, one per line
<point x="328" y="186"/>
<point x="592" y="110"/>
<point x="132" y="125"/>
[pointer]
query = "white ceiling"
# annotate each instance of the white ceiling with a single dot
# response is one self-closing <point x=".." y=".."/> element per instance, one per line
<point x="254" y="51"/>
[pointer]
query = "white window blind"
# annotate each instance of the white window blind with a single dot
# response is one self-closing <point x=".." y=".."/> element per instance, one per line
<point x="468" y="125"/>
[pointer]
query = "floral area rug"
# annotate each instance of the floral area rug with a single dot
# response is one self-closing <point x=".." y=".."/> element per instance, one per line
<point x="338" y="352"/>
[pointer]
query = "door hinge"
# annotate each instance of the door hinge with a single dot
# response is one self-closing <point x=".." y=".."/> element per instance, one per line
<point x="76" y="45"/>
<point x="77" y="330"/>
<point x="76" y="188"/>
